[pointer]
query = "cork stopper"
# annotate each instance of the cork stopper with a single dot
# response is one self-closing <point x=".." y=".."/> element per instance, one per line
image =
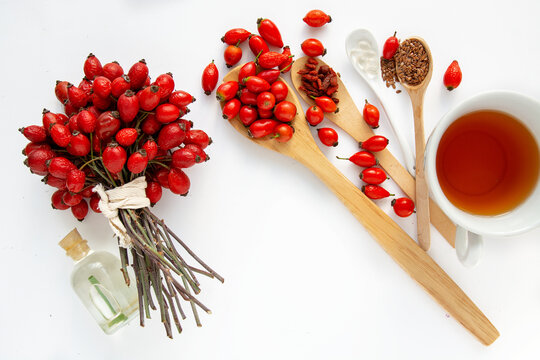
<point x="75" y="246"/>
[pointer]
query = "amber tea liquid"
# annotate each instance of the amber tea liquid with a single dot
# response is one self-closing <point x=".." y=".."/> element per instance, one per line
<point x="487" y="162"/>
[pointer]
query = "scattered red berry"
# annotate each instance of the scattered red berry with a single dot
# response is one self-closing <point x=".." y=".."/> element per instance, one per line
<point x="328" y="136"/>
<point x="314" y="115"/>
<point x="269" y="32"/>
<point x="313" y="47"/>
<point x="403" y="206"/>
<point x="362" y="158"/>
<point x="371" y="115"/>
<point x="452" y="76"/>
<point x="317" y="18"/>
<point x="210" y="78"/>
<point x="375" y="143"/>
<point x="232" y="55"/>
<point x="375" y="192"/>
<point x="373" y="175"/>
<point x="235" y="36"/>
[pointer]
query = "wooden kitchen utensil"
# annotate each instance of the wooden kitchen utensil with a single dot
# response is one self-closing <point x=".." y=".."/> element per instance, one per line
<point x="416" y="93"/>
<point x="349" y="118"/>
<point x="388" y="234"/>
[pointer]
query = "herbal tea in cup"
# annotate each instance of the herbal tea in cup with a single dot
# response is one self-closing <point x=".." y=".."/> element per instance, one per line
<point x="483" y="165"/>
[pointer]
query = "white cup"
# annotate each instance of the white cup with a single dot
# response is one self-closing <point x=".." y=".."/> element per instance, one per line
<point x="471" y="228"/>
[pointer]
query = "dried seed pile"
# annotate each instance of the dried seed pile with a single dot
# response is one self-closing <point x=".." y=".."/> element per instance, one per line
<point x="388" y="72"/>
<point x="321" y="82"/>
<point x="412" y="62"/>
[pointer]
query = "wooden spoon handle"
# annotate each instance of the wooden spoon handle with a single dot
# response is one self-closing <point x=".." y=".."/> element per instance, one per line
<point x="422" y="191"/>
<point x="402" y="248"/>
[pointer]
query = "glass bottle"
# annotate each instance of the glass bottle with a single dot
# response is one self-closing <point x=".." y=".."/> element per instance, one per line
<point x="99" y="283"/>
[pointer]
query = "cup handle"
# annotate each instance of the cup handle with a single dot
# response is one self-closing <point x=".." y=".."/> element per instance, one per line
<point x="469" y="246"/>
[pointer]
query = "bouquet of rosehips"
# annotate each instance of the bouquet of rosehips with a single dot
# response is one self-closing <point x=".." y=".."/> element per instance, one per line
<point x="122" y="140"/>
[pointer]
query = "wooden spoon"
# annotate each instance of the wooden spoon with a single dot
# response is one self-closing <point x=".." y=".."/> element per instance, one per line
<point x="349" y="118"/>
<point x="388" y="234"/>
<point x="416" y="93"/>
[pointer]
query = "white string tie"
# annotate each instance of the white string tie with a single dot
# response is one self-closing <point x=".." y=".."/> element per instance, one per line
<point x="128" y="196"/>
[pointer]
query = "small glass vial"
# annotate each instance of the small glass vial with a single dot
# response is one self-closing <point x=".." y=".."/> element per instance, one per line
<point x="99" y="283"/>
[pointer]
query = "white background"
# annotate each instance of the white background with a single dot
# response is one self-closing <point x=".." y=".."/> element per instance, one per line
<point x="304" y="280"/>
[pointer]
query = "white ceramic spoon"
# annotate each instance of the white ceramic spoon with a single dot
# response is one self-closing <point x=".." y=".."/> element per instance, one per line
<point x="372" y="76"/>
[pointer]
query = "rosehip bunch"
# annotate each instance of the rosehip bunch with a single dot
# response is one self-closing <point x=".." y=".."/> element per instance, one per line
<point x="115" y="126"/>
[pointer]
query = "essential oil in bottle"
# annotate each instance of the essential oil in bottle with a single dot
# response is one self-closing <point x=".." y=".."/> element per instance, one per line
<point x="98" y="281"/>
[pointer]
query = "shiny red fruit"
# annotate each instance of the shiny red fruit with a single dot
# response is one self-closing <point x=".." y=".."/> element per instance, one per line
<point x="375" y="143"/>
<point x="166" y="113"/>
<point x="232" y="55"/>
<point x="57" y="202"/>
<point x="107" y="125"/>
<point x="197" y="137"/>
<point x="181" y="98"/>
<point x="75" y="180"/>
<point x="170" y="136"/>
<point x="280" y="90"/>
<point x="153" y="192"/>
<point x="283" y="133"/>
<point x="112" y="70"/>
<point x="79" y="144"/>
<point x="317" y="18"/>
<point x="257" y="45"/>
<point x="262" y="128"/>
<point x="80" y="210"/>
<point x="114" y="158"/>
<point x="362" y="158"/>
<point x="452" y="76"/>
<point x="328" y="136"/>
<point x="178" y="181"/>
<point x="375" y="192"/>
<point x="126" y="136"/>
<point x="235" y="36"/>
<point x="371" y="115"/>
<point x="137" y="162"/>
<point x="231" y="109"/>
<point x="149" y="98"/>
<point x="209" y="78"/>
<point x="138" y="74"/>
<point x="403" y="207"/>
<point x="227" y="90"/>
<point x="390" y="47"/>
<point x="285" y="111"/>
<point x="373" y="175"/>
<point x="165" y="82"/>
<point x="248" y="115"/>
<point x="326" y="104"/>
<point x="92" y="67"/>
<point x="314" y="115"/>
<point x="269" y="32"/>
<point x="313" y="47"/>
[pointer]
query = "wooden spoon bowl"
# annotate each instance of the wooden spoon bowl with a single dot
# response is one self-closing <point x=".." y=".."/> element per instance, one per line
<point x="389" y="235"/>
